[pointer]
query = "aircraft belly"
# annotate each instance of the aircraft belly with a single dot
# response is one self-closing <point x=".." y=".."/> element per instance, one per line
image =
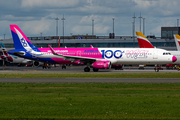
<point x="144" y="61"/>
<point x="19" y="60"/>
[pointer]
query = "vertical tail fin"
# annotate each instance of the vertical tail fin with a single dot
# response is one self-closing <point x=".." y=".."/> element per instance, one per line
<point x="143" y="41"/>
<point x="20" y="39"/>
<point x="2" y="45"/>
<point x="4" y="51"/>
<point x="177" y="41"/>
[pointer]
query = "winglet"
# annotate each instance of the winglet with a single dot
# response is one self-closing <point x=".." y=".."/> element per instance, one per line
<point x="143" y="41"/>
<point x="52" y="50"/>
<point x="91" y="46"/>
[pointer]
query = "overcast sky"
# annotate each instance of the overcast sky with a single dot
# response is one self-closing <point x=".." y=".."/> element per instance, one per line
<point x="36" y="16"/>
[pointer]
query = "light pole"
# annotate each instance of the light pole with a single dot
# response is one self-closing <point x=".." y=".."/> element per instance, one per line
<point x="63" y="28"/>
<point x="92" y="28"/>
<point x="57" y="26"/>
<point x="71" y="35"/>
<point x="113" y="27"/>
<point x="113" y="24"/>
<point x="140" y="21"/>
<point x="144" y="26"/>
<point x="177" y="22"/>
<point x="41" y="35"/>
<point x="4" y="36"/>
<point x="134" y="30"/>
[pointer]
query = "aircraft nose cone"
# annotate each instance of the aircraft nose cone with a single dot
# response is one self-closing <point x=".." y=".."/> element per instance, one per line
<point x="174" y="59"/>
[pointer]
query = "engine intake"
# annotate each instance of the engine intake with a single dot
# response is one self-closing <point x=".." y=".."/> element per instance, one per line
<point x="10" y="59"/>
<point x="102" y="65"/>
<point x="37" y="63"/>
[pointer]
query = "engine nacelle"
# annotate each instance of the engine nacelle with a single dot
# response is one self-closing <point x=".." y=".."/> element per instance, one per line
<point x="37" y="63"/>
<point x="3" y="57"/>
<point x="10" y="59"/>
<point x="102" y="65"/>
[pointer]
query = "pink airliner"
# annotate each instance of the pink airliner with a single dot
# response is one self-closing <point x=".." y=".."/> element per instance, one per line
<point x="96" y="58"/>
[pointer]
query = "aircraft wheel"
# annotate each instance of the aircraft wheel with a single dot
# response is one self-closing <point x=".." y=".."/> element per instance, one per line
<point x="86" y="69"/>
<point x="95" y="69"/>
<point x="156" y="70"/>
<point x="63" y="67"/>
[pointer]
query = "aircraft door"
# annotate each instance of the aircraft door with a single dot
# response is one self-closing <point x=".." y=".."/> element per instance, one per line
<point x="78" y="53"/>
<point x="155" y="54"/>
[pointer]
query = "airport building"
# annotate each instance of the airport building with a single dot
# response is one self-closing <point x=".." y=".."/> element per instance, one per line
<point x="168" y="32"/>
<point x="96" y="41"/>
<point x="166" y="41"/>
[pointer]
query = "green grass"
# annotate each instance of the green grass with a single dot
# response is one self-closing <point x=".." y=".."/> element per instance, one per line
<point x="89" y="75"/>
<point x="89" y="101"/>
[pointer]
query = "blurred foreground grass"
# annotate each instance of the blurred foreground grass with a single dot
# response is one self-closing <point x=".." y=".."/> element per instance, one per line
<point x="89" y="75"/>
<point x="89" y="101"/>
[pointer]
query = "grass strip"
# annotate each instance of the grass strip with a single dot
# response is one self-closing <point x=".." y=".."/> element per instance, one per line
<point x="89" y="75"/>
<point x="89" y="101"/>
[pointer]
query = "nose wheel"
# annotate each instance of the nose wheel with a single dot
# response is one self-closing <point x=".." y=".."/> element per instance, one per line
<point x="156" y="70"/>
<point x="86" y="69"/>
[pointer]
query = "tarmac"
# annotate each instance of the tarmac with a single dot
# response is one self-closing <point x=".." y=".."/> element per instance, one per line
<point x="90" y="80"/>
<point x="80" y="69"/>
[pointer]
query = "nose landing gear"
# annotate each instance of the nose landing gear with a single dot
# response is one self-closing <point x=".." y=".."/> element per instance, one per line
<point x="86" y="69"/>
<point x="157" y="68"/>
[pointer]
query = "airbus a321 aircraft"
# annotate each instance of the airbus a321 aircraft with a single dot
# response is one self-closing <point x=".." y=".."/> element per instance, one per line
<point x="145" y="43"/>
<point x="97" y="58"/>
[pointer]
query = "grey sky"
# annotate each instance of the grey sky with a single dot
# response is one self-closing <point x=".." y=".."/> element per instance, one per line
<point x="36" y="16"/>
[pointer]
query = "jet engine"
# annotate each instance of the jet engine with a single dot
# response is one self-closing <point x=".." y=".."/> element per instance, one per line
<point x="10" y="59"/>
<point x="102" y="65"/>
<point x="37" y="63"/>
<point x="3" y="57"/>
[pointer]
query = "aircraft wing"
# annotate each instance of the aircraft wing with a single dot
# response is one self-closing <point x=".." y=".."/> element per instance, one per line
<point x="74" y="58"/>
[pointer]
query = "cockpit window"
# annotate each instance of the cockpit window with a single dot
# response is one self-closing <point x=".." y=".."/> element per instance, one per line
<point x="166" y="53"/>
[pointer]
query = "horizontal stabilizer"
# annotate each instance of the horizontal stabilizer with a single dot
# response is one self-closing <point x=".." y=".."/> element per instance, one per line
<point x="15" y="51"/>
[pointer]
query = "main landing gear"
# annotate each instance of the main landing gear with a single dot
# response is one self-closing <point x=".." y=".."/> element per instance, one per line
<point x="63" y="66"/>
<point x="87" y="69"/>
<point x="157" y="68"/>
